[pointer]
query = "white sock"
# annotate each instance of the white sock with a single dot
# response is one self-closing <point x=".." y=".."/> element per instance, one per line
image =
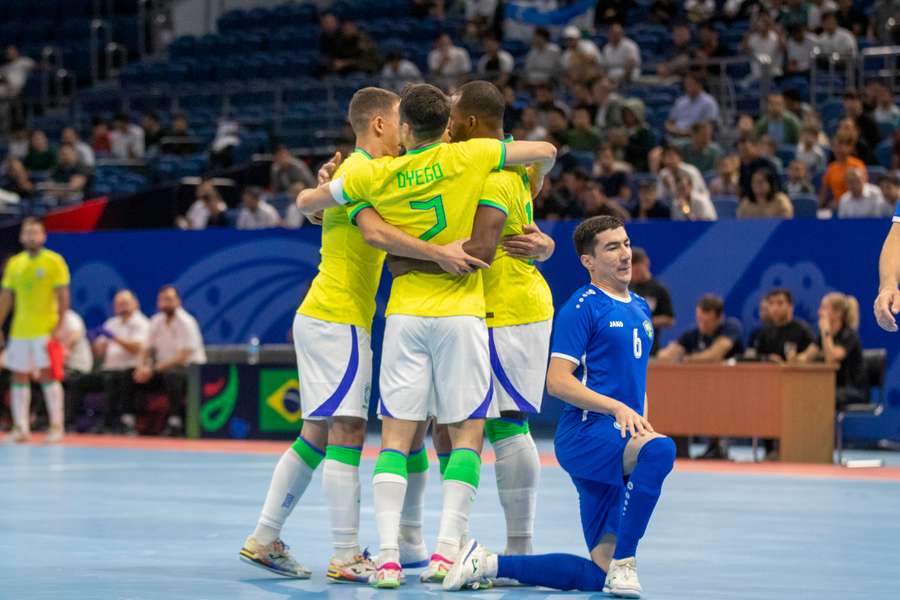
<point x="341" y="483"/>
<point x="518" y="471"/>
<point x="290" y="479"/>
<point x="53" y="396"/>
<point x="411" y="519"/>
<point x="21" y="407"/>
<point x="458" y="498"/>
<point x="389" y="491"/>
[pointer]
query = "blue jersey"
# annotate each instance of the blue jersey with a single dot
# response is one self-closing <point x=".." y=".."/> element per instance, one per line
<point x="609" y="340"/>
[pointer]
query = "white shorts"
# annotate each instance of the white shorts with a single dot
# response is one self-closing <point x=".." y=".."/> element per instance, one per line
<point x="519" y="366"/>
<point x="27" y="356"/>
<point x="334" y="363"/>
<point x="435" y="366"/>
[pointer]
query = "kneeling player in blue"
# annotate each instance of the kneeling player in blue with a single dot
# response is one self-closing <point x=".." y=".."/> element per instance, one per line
<point x="598" y="366"/>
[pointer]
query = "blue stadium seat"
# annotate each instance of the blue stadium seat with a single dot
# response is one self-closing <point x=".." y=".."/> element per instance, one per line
<point x="883" y="153"/>
<point x="805" y="207"/>
<point x="786" y="154"/>
<point x="726" y="206"/>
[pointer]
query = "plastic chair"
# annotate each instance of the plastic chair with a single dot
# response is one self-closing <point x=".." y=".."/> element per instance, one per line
<point x="805" y="207"/>
<point x="726" y="206"/>
<point x="875" y="365"/>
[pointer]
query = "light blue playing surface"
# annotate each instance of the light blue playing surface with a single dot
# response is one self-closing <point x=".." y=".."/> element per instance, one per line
<point x="104" y="523"/>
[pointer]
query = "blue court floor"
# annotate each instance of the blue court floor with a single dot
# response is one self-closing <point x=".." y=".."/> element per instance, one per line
<point x="135" y="524"/>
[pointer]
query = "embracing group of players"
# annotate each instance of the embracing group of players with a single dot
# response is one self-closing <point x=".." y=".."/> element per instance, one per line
<point x="465" y="347"/>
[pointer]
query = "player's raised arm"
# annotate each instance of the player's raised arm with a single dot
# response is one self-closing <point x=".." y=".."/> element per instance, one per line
<point x="887" y="304"/>
<point x="541" y="154"/>
<point x="312" y="200"/>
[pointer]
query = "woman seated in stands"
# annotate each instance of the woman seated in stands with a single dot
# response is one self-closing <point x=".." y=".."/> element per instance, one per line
<point x="766" y="201"/>
<point x="838" y="344"/>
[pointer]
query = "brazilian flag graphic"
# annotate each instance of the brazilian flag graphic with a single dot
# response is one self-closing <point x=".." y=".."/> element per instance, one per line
<point x="279" y="400"/>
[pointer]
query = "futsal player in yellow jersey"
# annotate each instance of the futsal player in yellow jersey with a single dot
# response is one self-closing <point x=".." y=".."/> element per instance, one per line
<point x="435" y="359"/>
<point x="36" y="281"/>
<point x="334" y="360"/>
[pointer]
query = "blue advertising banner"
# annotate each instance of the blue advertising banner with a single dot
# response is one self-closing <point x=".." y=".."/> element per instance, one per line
<point x="242" y="284"/>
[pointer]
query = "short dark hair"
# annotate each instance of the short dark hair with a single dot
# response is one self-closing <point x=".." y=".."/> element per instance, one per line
<point x="482" y="99"/>
<point x="122" y="117"/>
<point x="559" y="111"/>
<point x="889" y="178"/>
<point x="851" y="94"/>
<point x="711" y="303"/>
<point x="366" y="104"/>
<point x="542" y="32"/>
<point x="254" y="191"/>
<point x="780" y="291"/>
<point x="426" y="109"/>
<point x="638" y="255"/>
<point x="32" y="221"/>
<point x="166" y="287"/>
<point x="585" y="236"/>
<point x="672" y="148"/>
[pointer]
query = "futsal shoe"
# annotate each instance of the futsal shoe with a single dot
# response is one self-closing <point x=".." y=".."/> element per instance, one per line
<point x="358" y="569"/>
<point x="17" y="436"/>
<point x="437" y="569"/>
<point x="622" y="580"/>
<point x="470" y="571"/>
<point x="413" y="556"/>
<point x="55" y="435"/>
<point x="273" y="557"/>
<point x="388" y="576"/>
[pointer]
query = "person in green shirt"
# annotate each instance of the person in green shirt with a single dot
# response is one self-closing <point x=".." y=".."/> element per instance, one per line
<point x="778" y="123"/>
<point x="700" y="150"/>
<point x="583" y="137"/>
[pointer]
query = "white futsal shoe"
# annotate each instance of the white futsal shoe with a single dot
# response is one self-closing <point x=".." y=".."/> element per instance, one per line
<point x="622" y="580"/>
<point x="55" y="435"/>
<point x="17" y="436"/>
<point x="472" y="569"/>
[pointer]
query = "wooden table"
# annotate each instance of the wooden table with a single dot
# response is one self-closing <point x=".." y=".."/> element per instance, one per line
<point x="794" y="404"/>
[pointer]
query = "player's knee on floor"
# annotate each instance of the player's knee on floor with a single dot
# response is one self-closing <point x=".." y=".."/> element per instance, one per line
<point x="657" y="457"/>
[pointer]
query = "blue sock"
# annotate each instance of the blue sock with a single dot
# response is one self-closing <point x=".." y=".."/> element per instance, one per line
<point x="654" y="462"/>
<point x="557" y="571"/>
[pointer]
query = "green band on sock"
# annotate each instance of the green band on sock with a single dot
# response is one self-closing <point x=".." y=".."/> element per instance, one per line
<point x="500" y="429"/>
<point x="21" y="385"/>
<point x="465" y="466"/>
<point x="443" y="459"/>
<point x="343" y="454"/>
<point x="391" y="461"/>
<point x="311" y="455"/>
<point x="417" y="461"/>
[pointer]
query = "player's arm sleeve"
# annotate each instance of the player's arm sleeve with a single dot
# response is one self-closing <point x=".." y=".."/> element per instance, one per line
<point x="572" y="333"/>
<point x="484" y="154"/>
<point x="62" y="277"/>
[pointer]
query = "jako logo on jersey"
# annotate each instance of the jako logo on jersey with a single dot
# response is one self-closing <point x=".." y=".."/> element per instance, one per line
<point x="616" y="324"/>
<point x="648" y="329"/>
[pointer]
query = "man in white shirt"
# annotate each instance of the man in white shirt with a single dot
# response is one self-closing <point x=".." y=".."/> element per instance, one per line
<point x="84" y="152"/>
<point x="447" y="61"/>
<point x="673" y="165"/>
<point x="688" y="204"/>
<point x="862" y="199"/>
<point x="256" y="212"/>
<point x="834" y="39"/>
<point x="621" y="56"/>
<point x="174" y="342"/>
<point x="126" y="140"/>
<point x="581" y="58"/>
<point x="496" y="64"/>
<point x="119" y="344"/>
<point x="544" y="60"/>
<point x="14" y="73"/>
<point x="800" y="44"/>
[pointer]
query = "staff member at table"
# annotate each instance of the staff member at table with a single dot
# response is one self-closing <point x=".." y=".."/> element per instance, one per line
<point x="784" y="336"/>
<point x="838" y="344"/>
<point x="716" y="338"/>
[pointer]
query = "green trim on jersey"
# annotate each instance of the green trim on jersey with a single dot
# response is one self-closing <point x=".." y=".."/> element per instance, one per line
<point x="423" y="148"/>
<point x="357" y="210"/>
<point x="363" y="152"/>
<point x="492" y="204"/>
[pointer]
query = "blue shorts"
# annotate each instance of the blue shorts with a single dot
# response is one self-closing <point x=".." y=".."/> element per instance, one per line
<point x="590" y="450"/>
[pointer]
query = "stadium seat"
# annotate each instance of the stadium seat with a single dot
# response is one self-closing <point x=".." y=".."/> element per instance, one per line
<point x="805" y="207"/>
<point x="726" y="206"/>
<point x="786" y="154"/>
<point x="883" y="153"/>
<point x="875" y="366"/>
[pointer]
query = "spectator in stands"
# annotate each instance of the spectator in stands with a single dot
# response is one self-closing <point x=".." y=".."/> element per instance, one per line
<point x="648" y="205"/>
<point x="862" y="199"/>
<point x="621" y="56"/>
<point x="699" y="11"/>
<point x="496" y="64"/>
<point x="595" y="203"/>
<point x="778" y="123"/>
<point x="179" y="140"/>
<point x="173" y="343"/>
<point x="700" y="151"/>
<point x="126" y="139"/>
<point x="612" y="176"/>
<point x="101" y="143"/>
<point x="799" y="46"/>
<point x="289" y="175"/>
<point x="672" y="164"/>
<point x="852" y="18"/>
<point x="608" y="104"/>
<point x="448" y="62"/>
<point x="41" y="156"/>
<point x="714" y="339"/>
<point x="329" y="37"/>
<point x="610" y="12"/>
<point x="581" y="59"/>
<point x="766" y="202"/>
<point x="84" y="152"/>
<point x="809" y="151"/>
<point x="119" y="345"/>
<point x="886" y="112"/>
<point x="709" y="49"/>
<point x="356" y="52"/>
<point x="14" y="73"/>
<point x="834" y="181"/>
<point x="793" y="13"/>
<point x="15" y="179"/>
<point x="545" y="102"/>
<point x="583" y="136"/>
<point x="481" y="17"/>
<point x="226" y="140"/>
<point x="71" y="179"/>
<point x="528" y="121"/>
<point x="293" y="218"/>
<point x="868" y="128"/>
<point x="728" y="180"/>
<point x="153" y="132"/>
<point x="543" y="63"/>
<point x="835" y="40"/>
<point x="256" y="213"/>
<point x="208" y="210"/>
<point x="695" y="106"/>
<point x="890" y="189"/>
<point x="763" y="46"/>
<point x="558" y="125"/>
<point x="883" y="24"/>
<point x="752" y="160"/>
<point x="423" y="9"/>
<point x="18" y="143"/>
<point x="798" y="183"/>
<point x="677" y="55"/>
<point x="768" y="150"/>
<point x="563" y="201"/>
<point x="663" y="12"/>
<point x="634" y="140"/>
<point x="838" y="344"/>
<point x="398" y="72"/>
<point x="688" y="204"/>
<point x="654" y="292"/>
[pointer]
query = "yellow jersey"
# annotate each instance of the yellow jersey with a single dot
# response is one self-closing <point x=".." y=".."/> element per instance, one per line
<point x="33" y="280"/>
<point x="344" y="289"/>
<point x="431" y="193"/>
<point x="515" y="292"/>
